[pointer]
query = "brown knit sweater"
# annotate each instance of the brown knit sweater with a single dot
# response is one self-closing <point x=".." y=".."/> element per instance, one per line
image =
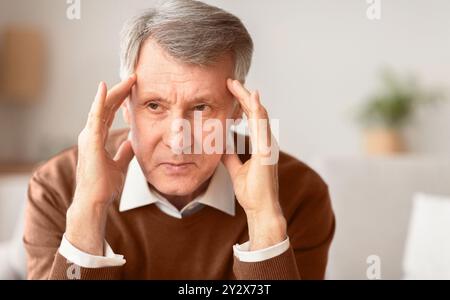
<point x="199" y="246"/>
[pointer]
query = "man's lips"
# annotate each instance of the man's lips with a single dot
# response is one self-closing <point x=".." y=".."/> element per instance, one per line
<point x="176" y="168"/>
<point x="175" y="164"/>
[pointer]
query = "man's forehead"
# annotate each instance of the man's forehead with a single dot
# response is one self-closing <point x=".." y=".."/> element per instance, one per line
<point x="160" y="75"/>
<point x="170" y="84"/>
<point x="156" y="64"/>
<point x="163" y="73"/>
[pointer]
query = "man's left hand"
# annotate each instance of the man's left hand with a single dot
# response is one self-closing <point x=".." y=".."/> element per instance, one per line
<point x="256" y="182"/>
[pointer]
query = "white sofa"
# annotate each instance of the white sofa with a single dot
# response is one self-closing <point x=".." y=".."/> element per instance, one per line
<point x="372" y="199"/>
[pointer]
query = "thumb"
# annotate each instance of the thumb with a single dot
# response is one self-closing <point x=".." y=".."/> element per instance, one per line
<point x="124" y="155"/>
<point x="232" y="163"/>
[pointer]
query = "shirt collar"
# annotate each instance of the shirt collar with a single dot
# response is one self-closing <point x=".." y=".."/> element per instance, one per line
<point x="136" y="193"/>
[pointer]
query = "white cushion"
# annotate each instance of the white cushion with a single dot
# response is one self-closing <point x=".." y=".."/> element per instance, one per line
<point x="427" y="251"/>
<point x="372" y="200"/>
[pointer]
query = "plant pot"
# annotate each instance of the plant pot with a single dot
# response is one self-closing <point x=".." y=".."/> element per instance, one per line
<point x="383" y="141"/>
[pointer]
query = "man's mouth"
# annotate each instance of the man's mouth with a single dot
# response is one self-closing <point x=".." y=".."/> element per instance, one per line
<point x="176" y="168"/>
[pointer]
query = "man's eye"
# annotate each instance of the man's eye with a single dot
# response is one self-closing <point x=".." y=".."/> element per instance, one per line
<point x="201" y="107"/>
<point x="153" y="105"/>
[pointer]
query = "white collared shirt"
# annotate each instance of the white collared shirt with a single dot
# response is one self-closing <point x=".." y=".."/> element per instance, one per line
<point x="136" y="193"/>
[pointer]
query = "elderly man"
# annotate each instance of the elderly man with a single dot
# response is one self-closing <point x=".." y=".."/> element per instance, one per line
<point x="134" y="204"/>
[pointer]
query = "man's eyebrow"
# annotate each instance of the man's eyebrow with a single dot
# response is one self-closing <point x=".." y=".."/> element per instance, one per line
<point x="207" y="99"/>
<point x="147" y="96"/>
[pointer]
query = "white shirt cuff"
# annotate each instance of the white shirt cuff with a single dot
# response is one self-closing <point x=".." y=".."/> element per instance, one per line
<point x="86" y="260"/>
<point x="242" y="253"/>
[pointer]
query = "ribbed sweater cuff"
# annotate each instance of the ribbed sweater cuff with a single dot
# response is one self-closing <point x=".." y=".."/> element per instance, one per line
<point x="281" y="267"/>
<point x="63" y="269"/>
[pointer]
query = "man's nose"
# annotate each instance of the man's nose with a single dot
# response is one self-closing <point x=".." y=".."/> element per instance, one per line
<point x="178" y="135"/>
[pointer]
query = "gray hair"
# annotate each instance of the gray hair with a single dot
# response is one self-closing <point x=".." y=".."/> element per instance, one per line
<point x="191" y="32"/>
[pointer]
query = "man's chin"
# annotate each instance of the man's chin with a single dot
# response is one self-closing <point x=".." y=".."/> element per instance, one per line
<point x="175" y="187"/>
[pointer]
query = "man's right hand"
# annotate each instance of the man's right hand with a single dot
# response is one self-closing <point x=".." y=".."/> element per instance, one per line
<point x="99" y="177"/>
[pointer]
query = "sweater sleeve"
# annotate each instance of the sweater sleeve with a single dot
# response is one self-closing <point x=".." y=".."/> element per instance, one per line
<point x="310" y="229"/>
<point x="45" y="221"/>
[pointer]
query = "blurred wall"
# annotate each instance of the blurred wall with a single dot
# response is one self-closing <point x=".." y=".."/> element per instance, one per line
<point x="314" y="61"/>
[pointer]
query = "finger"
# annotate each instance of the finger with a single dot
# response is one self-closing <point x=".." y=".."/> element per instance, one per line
<point x="259" y="125"/>
<point x="251" y="105"/>
<point x="256" y="101"/>
<point x="260" y="132"/>
<point x="260" y="113"/>
<point x="232" y="163"/>
<point x="96" y="113"/>
<point x="124" y="155"/>
<point x="120" y="91"/>
<point x="241" y="94"/>
<point x="117" y="95"/>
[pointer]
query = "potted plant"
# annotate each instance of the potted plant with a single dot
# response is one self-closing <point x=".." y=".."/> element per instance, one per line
<point x="389" y="109"/>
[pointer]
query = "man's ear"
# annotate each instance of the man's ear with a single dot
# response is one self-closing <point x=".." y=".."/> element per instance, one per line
<point x="126" y="111"/>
